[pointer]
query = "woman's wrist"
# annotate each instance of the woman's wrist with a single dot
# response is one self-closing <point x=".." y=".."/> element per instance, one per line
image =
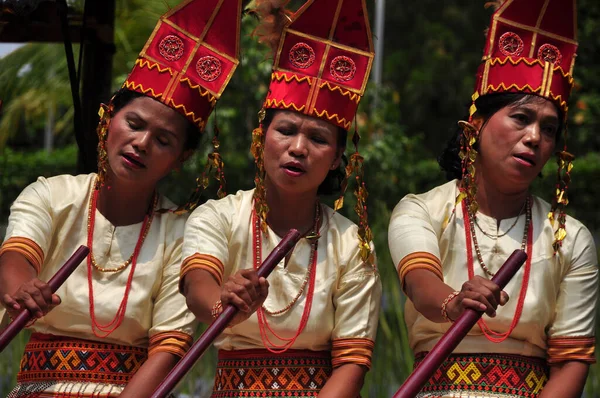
<point x="445" y="304"/>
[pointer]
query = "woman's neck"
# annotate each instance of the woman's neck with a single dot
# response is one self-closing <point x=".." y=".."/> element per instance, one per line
<point x="124" y="205"/>
<point x="290" y="211"/>
<point x="497" y="204"/>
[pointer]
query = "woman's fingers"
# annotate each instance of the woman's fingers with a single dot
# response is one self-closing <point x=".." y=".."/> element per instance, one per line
<point x="9" y="303"/>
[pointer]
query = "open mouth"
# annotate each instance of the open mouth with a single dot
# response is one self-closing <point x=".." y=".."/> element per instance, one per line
<point x="294" y="169"/>
<point x="134" y="161"/>
<point x="525" y="160"/>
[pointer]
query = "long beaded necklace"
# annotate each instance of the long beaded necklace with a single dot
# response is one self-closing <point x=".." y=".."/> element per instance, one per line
<point x="309" y="280"/>
<point x="491" y="335"/>
<point x="104" y="330"/>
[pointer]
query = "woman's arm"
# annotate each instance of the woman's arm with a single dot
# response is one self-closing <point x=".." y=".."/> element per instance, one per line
<point x="345" y="382"/>
<point x="150" y="375"/>
<point x="567" y="380"/>
<point x="428" y="292"/>
<point x="245" y="290"/>
<point x="20" y="288"/>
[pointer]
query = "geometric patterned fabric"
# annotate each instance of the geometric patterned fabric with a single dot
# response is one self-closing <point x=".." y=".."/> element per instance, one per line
<point x="488" y="375"/>
<point x="58" y="358"/>
<point x="259" y="373"/>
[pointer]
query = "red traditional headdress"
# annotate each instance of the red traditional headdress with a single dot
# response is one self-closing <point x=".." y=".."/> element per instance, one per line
<point x="321" y="69"/>
<point x="190" y="57"/>
<point x="323" y="63"/>
<point x="531" y="48"/>
<point x="186" y="64"/>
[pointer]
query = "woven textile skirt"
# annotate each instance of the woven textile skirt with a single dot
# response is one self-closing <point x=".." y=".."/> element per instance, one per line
<point x="57" y="366"/>
<point x="260" y="373"/>
<point x="486" y="375"/>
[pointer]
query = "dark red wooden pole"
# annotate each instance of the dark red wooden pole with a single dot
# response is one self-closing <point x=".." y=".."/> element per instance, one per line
<point x="219" y="324"/>
<point x="57" y="280"/>
<point x="434" y="359"/>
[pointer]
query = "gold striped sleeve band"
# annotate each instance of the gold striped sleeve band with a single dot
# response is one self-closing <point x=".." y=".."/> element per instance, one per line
<point x="176" y="343"/>
<point x="205" y="262"/>
<point x="561" y="349"/>
<point x="419" y="260"/>
<point x="28" y="248"/>
<point x="355" y="351"/>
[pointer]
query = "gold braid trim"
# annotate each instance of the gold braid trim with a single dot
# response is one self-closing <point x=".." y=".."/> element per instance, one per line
<point x="131" y="85"/>
<point x="346" y="93"/>
<point x="561" y="349"/>
<point x="28" y="248"/>
<point x="176" y="343"/>
<point x="271" y="103"/>
<point x="356" y="351"/>
<point x="279" y="76"/>
<point x="346" y="124"/>
<point x="419" y="260"/>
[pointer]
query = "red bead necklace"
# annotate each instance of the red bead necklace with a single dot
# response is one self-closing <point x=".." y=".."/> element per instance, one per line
<point x="104" y="330"/>
<point x="491" y="335"/>
<point x="263" y="324"/>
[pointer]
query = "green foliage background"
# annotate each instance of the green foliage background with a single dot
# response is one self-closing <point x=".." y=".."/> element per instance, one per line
<point x="431" y="52"/>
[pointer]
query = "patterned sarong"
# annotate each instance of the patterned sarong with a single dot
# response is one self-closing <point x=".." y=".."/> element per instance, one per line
<point x="486" y="375"/>
<point x="259" y="373"/>
<point x="49" y="360"/>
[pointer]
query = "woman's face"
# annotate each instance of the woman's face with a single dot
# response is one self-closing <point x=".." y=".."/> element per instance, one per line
<point x="516" y="143"/>
<point x="299" y="152"/>
<point x="145" y="142"/>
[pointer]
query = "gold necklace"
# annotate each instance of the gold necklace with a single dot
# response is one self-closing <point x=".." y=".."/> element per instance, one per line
<point x="496" y="236"/>
<point x="474" y="235"/>
<point x="311" y="236"/>
<point x="92" y="208"/>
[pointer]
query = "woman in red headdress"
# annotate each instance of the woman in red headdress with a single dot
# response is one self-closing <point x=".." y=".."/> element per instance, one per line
<point x="118" y="324"/>
<point x="536" y="337"/>
<point x="314" y="333"/>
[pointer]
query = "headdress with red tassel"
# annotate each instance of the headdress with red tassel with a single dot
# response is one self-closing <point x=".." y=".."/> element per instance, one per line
<point x="323" y="58"/>
<point x="186" y="64"/>
<point x="531" y="48"/>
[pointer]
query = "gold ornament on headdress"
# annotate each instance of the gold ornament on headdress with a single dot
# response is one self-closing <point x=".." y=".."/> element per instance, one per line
<point x="106" y="113"/>
<point x="561" y="200"/>
<point x="260" y="193"/>
<point x="468" y="154"/>
<point x="355" y="166"/>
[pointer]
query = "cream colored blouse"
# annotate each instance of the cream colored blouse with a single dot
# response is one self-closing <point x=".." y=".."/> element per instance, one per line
<point x="49" y="221"/>
<point x="345" y="308"/>
<point x="558" y="316"/>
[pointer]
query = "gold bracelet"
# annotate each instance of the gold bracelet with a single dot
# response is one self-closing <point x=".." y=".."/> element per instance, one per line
<point x="216" y="309"/>
<point x="445" y="304"/>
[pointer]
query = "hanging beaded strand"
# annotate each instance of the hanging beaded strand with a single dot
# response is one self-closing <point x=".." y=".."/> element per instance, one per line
<point x="491" y="335"/>
<point x="104" y="330"/>
<point x="263" y="324"/>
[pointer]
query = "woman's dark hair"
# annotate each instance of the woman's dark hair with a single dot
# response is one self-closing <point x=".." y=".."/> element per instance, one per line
<point x="332" y="185"/>
<point x="487" y="106"/>
<point x="125" y="96"/>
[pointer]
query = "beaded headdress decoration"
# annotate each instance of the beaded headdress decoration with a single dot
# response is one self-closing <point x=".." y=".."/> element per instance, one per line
<point x="531" y="48"/>
<point x="323" y="58"/>
<point x="186" y="64"/>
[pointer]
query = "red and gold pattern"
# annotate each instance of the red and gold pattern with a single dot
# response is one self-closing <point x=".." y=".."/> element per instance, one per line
<point x="531" y="49"/>
<point x="253" y="373"/>
<point x="323" y="63"/>
<point x="500" y="375"/>
<point x="562" y="349"/>
<point x="28" y="248"/>
<point x="190" y="57"/>
<point x="419" y="260"/>
<point x="49" y="357"/>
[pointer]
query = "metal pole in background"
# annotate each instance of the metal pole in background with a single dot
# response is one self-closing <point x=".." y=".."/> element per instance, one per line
<point x="379" y="39"/>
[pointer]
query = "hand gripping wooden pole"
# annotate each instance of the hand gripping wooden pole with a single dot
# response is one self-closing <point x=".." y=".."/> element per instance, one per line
<point x="216" y="328"/>
<point x="55" y="282"/>
<point x="434" y="359"/>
